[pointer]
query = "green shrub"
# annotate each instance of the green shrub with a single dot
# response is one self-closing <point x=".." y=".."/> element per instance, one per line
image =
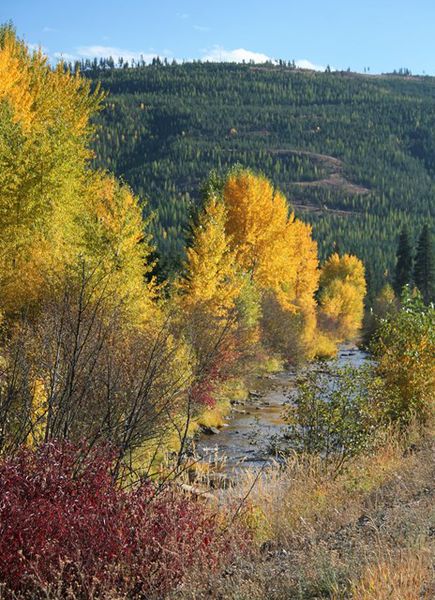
<point x="330" y="416"/>
<point x="404" y="348"/>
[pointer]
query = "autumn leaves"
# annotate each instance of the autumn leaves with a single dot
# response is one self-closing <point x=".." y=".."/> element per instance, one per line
<point x="94" y="332"/>
<point x="246" y="233"/>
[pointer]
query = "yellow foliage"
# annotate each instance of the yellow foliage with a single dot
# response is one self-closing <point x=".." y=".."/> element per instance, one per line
<point x="44" y="134"/>
<point x="257" y="219"/>
<point x="115" y="245"/>
<point x="324" y="346"/>
<point x="210" y="280"/>
<point x="386" y="302"/>
<point x="275" y="249"/>
<point x="38" y="416"/>
<point x="343" y="287"/>
<point x="15" y="81"/>
<point x="53" y="211"/>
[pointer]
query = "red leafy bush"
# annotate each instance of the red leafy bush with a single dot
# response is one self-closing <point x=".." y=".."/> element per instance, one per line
<point x="219" y="370"/>
<point x="63" y="519"/>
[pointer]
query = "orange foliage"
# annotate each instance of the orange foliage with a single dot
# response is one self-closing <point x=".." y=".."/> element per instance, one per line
<point x="15" y="81"/>
<point x="276" y="249"/>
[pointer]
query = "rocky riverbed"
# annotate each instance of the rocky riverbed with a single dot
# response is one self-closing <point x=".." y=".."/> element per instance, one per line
<point x="245" y="439"/>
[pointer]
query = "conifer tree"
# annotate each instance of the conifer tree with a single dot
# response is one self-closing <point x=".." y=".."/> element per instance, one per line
<point x="424" y="267"/>
<point x="403" y="273"/>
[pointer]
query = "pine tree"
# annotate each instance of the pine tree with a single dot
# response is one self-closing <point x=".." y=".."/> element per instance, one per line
<point x="403" y="274"/>
<point x="424" y="267"/>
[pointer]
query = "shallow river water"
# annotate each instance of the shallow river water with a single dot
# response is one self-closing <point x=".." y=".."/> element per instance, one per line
<point x="243" y="441"/>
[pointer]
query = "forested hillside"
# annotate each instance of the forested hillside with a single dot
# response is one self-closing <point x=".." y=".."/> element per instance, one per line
<point x="109" y="381"/>
<point x="354" y="154"/>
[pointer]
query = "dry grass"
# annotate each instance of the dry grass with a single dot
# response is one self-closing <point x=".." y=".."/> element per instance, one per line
<point x="360" y="536"/>
<point x="299" y="497"/>
<point x="402" y="577"/>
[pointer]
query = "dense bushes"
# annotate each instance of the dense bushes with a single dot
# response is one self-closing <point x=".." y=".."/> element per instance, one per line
<point x="404" y="346"/>
<point x="64" y="523"/>
<point x="338" y="413"/>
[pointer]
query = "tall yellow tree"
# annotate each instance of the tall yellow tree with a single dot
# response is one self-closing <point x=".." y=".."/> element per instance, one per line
<point x="210" y="277"/>
<point x="114" y="245"/>
<point x="269" y="243"/>
<point x="277" y="251"/>
<point x="257" y="219"/>
<point x="342" y="292"/>
<point x="44" y="135"/>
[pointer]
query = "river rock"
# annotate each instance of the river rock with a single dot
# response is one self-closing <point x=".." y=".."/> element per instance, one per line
<point x="210" y="430"/>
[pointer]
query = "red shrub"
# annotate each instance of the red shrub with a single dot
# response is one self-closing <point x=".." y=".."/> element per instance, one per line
<point x="219" y="370"/>
<point x="61" y="516"/>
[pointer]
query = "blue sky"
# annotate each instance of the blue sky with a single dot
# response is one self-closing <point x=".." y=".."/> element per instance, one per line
<point x="382" y="35"/>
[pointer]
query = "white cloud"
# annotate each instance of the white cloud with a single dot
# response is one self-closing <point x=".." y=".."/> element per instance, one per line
<point x="48" y="29"/>
<point x="66" y="56"/>
<point x="201" y="28"/>
<point x="219" y="54"/>
<point x="303" y="63"/>
<point x="215" y="54"/>
<point x="183" y="16"/>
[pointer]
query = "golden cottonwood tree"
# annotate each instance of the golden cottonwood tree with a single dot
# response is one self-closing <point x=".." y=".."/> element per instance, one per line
<point x="270" y="244"/>
<point x="207" y="298"/>
<point x="210" y="270"/>
<point x="44" y="134"/>
<point x="276" y="250"/>
<point x="342" y="292"/>
<point x="115" y="246"/>
<point x="54" y="211"/>
<point x="257" y="218"/>
<point x="72" y="245"/>
<point x="14" y="80"/>
<point x="302" y="250"/>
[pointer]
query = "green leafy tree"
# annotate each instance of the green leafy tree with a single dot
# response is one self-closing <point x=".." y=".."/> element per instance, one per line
<point x="404" y="347"/>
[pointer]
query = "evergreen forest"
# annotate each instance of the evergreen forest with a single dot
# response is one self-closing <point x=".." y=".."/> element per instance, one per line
<point x="354" y="154"/>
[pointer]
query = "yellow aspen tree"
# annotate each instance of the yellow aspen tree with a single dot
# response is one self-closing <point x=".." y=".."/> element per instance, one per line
<point x="342" y="292"/>
<point x="270" y="244"/>
<point x="114" y="245"/>
<point x="44" y="150"/>
<point x="278" y="252"/>
<point x="302" y="252"/>
<point x="257" y="219"/>
<point x="14" y="79"/>
<point x="210" y="277"/>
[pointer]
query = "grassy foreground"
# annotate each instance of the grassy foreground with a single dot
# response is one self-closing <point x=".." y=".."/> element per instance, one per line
<point x="367" y="534"/>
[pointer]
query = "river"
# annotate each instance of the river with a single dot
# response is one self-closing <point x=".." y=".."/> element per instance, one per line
<point x="242" y="442"/>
